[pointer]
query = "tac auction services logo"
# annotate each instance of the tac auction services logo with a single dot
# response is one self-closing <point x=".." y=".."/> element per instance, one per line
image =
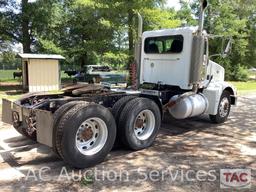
<point x="235" y="178"/>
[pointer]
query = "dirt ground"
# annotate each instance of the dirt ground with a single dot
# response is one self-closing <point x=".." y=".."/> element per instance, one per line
<point x="186" y="147"/>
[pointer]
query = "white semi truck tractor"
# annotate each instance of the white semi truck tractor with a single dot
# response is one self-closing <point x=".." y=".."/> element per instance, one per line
<point x="174" y="74"/>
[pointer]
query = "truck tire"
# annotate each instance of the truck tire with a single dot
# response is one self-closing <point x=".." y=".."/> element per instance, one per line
<point x="86" y="135"/>
<point x="139" y="123"/>
<point x="116" y="111"/>
<point x="57" y="116"/>
<point x="223" y="109"/>
<point x="119" y="105"/>
<point x="58" y="131"/>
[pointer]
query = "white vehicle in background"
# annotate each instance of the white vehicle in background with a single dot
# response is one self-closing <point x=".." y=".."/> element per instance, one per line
<point x="96" y="69"/>
<point x="102" y="74"/>
<point x="253" y="69"/>
<point x="173" y="73"/>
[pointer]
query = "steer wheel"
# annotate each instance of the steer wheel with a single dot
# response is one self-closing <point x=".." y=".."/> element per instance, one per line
<point x="223" y="109"/>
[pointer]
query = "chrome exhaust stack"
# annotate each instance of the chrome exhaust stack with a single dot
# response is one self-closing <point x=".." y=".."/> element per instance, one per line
<point x="197" y="58"/>
<point x="140" y="26"/>
<point x="204" y="4"/>
<point x="138" y="49"/>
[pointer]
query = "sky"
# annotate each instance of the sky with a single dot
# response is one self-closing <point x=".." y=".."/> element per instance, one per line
<point x="174" y="3"/>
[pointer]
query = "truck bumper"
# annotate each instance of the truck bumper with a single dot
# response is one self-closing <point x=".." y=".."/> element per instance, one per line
<point x="7" y="111"/>
<point x="44" y="120"/>
<point x="234" y="100"/>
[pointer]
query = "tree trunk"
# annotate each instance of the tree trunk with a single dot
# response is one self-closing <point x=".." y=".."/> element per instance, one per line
<point x="26" y="40"/>
<point x="83" y="62"/>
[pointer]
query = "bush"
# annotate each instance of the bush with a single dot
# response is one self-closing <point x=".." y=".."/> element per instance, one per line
<point x="241" y="74"/>
<point x="115" y="60"/>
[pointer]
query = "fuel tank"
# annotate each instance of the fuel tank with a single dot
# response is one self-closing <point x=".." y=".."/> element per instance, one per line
<point x="189" y="106"/>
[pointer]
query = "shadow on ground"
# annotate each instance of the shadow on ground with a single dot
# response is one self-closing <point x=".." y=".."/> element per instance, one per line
<point x="191" y="144"/>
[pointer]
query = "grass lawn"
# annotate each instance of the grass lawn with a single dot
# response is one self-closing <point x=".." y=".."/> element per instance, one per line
<point x="10" y="88"/>
<point x="9" y="97"/>
<point x="7" y="76"/>
<point x="244" y="87"/>
<point x="11" y="92"/>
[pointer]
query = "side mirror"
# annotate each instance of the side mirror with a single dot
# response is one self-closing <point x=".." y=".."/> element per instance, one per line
<point x="224" y="52"/>
<point x="227" y="49"/>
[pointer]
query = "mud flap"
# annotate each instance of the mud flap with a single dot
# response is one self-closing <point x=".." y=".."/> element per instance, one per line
<point x="7" y="111"/>
<point x="44" y="126"/>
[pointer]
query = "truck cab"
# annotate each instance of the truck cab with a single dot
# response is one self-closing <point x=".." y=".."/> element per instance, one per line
<point x="168" y="60"/>
<point x="166" y="57"/>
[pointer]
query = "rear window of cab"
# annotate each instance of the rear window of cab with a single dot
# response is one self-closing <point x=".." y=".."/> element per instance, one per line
<point x="164" y="44"/>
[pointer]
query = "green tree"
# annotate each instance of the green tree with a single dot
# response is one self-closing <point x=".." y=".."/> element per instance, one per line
<point x="8" y="60"/>
<point x="231" y="18"/>
<point x="251" y="25"/>
<point x="185" y="14"/>
<point x="22" y="22"/>
<point x="153" y="12"/>
<point x="85" y="31"/>
<point x="92" y="28"/>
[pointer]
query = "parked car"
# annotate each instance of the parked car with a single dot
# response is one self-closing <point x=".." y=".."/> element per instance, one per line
<point x="101" y="74"/>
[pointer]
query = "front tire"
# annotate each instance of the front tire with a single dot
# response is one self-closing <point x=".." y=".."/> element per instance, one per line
<point x="88" y="135"/>
<point x="223" y="109"/>
<point x="139" y="123"/>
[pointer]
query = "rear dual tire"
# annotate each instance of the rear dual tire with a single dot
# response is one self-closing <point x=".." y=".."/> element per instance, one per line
<point x="85" y="135"/>
<point x="56" y="119"/>
<point x="139" y="123"/>
<point x="116" y="111"/>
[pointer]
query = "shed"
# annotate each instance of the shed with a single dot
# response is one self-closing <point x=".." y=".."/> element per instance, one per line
<point x="41" y="72"/>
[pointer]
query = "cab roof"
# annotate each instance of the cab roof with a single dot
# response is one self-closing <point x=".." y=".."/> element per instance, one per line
<point x="174" y="31"/>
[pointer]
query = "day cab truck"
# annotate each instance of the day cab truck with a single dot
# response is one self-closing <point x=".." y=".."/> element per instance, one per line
<point x="174" y="74"/>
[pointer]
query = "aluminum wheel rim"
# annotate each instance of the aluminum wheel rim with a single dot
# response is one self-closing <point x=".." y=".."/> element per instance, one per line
<point x="144" y="124"/>
<point x="224" y="107"/>
<point x="91" y="136"/>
